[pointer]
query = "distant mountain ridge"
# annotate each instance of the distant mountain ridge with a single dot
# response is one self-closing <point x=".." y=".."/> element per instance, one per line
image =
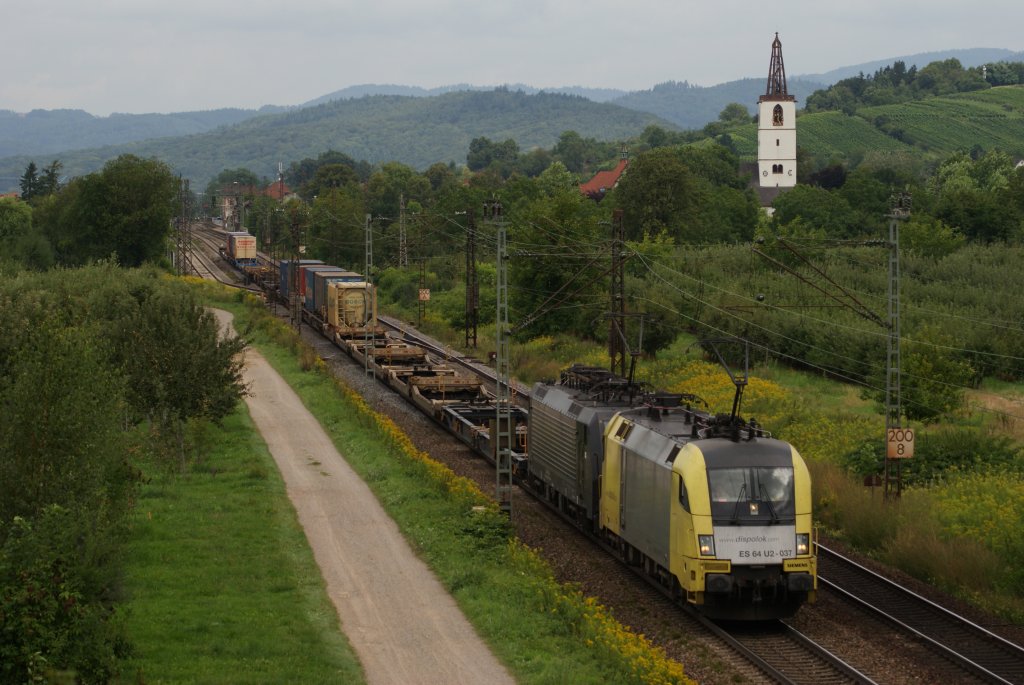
<point x="362" y="90"/>
<point x="416" y="131"/>
<point x="44" y="132"/>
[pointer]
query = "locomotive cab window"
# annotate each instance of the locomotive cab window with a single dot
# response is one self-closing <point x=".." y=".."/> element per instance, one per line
<point x="683" y="497"/>
<point x="752" y="492"/>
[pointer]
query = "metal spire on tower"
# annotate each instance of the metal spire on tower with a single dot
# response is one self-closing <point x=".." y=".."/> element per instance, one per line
<point x="777" y="75"/>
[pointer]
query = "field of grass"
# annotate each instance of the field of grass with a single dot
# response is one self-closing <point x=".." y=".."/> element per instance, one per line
<point x="222" y="585"/>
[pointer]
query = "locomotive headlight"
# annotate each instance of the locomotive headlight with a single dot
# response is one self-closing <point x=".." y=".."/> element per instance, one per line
<point x="707" y="545"/>
<point x="803" y="543"/>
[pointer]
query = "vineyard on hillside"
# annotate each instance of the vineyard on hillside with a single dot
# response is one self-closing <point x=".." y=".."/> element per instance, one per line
<point x="989" y="119"/>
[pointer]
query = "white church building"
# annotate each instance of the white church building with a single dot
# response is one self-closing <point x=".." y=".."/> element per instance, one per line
<point x="776" y="132"/>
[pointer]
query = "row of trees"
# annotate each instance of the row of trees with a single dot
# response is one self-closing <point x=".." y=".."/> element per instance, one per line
<point x="96" y="364"/>
<point x="897" y="83"/>
<point x="35" y="183"/>
<point x="966" y="199"/>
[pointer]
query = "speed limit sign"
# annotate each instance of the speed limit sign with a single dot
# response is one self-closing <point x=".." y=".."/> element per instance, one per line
<point x="899" y="443"/>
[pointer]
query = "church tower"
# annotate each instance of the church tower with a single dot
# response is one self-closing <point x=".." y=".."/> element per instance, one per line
<point x="776" y="128"/>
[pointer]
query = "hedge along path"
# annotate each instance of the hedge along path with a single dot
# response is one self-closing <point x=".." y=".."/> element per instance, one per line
<point x="402" y="624"/>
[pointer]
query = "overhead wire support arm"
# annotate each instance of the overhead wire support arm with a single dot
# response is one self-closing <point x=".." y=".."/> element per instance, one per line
<point x="856" y="306"/>
<point x="551" y="302"/>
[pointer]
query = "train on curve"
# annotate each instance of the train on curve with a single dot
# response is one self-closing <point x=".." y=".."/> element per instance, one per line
<point x="709" y="508"/>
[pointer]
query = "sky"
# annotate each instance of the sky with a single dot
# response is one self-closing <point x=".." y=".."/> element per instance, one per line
<point x="138" y="56"/>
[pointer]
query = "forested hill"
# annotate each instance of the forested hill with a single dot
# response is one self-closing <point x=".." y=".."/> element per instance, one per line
<point x="42" y="132"/>
<point x="413" y="130"/>
<point x="691" y="107"/>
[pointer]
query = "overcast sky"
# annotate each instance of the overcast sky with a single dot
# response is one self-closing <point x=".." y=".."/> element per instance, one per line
<point x="139" y="56"/>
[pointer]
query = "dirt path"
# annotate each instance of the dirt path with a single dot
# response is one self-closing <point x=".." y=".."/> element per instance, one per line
<point x="403" y="625"/>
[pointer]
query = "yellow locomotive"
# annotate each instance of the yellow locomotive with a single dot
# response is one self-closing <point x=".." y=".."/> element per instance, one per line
<point x="710" y="507"/>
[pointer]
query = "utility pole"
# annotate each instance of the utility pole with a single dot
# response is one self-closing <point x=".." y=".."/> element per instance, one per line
<point x="502" y="333"/>
<point x="294" y="302"/>
<point x="472" y="284"/>
<point x="897" y="441"/>
<point x="237" y="218"/>
<point x="183" y="234"/>
<point x="403" y="246"/>
<point x="368" y="341"/>
<point x="617" y="318"/>
<point x="424" y="294"/>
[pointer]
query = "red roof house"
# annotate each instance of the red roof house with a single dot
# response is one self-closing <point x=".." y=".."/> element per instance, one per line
<point x="604" y="181"/>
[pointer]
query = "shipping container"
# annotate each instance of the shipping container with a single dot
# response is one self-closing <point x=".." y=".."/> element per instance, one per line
<point x="316" y="291"/>
<point x="351" y="307"/>
<point x="285" y="271"/>
<point x="242" y="248"/>
<point x="227" y="240"/>
<point x="306" y="276"/>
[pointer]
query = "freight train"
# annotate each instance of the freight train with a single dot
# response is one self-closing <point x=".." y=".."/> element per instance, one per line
<point x="709" y="508"/>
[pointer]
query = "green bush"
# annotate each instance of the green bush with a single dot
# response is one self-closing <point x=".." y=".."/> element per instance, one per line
<point x="56" y="580"/>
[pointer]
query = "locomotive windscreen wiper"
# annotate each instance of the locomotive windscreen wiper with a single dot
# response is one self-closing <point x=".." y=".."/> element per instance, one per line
<point x="767" y="499"/>
<point x="739" y="499"/>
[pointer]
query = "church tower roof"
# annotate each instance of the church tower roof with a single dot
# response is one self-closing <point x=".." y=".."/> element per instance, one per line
<point x="776" y="75"/>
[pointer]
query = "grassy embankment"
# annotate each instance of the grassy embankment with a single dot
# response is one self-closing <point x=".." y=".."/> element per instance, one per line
<point x="222" y="584"/>
<point x="207" y="610"/>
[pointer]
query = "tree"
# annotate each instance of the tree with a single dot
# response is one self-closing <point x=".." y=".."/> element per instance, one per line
<point x="227" y="178"/>
<point x="20" y="240"/>
<point x="65" y="489"/>
<point x="562" y="284"/>
<point x="932" y="377"/>
<point x="818" y="210"/>
<point x="177" y="365"/>
<point x="484" y="153"/>
<point x="571" y="150"/>
<point x="734" y="113"/>
<point x="302" y="172"/>
<point x="125" y="209"/>
<point x="337" y="228"/>
<point x="386" y="187"/>
<point x="658" y="193"/>
<point x="49" y="183"/>
<point x="15" y="219"/>
<point x="931" y="237"/>
<point x="327" y="177"/>
<point x="29" y="182"/>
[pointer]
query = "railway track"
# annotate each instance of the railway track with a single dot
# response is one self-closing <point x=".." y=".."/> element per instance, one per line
<point x="968" y="648"/>
<point x="785" y="655"/>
